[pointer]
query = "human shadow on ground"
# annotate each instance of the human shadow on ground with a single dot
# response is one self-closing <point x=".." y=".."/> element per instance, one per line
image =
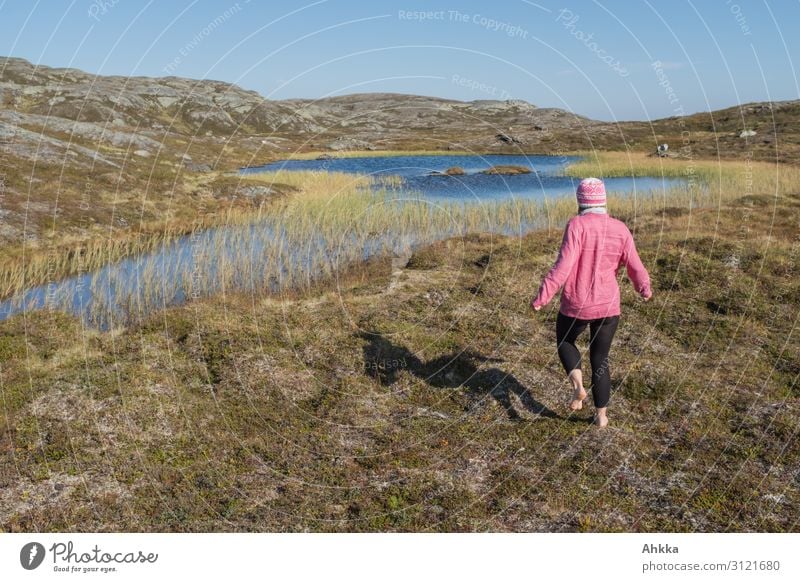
<point x="384" y="360"/>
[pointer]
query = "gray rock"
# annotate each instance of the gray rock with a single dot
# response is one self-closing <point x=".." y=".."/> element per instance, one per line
<point x="192" y="167"/>
<point x="26" y="144"/>
<point x="509" y="139"/>
<point x="254" y="191"/>
<point x="454" y="171"/>
<point x="92" y="132"/>
<point x="349" y="143"/>
<point x="508" y="170"/>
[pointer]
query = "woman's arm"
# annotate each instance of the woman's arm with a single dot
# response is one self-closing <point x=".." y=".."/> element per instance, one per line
<point x="569" y="253"/>
<point x="636" y="271"/>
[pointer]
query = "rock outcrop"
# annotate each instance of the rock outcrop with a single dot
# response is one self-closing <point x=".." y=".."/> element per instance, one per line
<point x="454" y="171"/>
<point x="349" y="143"/>
<point x="507" y="170"/>
<point x="70" y="116"/>
<point x="137" y="112"/>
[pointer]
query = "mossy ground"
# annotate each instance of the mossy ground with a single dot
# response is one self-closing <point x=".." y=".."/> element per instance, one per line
<point x="427" y="398"/>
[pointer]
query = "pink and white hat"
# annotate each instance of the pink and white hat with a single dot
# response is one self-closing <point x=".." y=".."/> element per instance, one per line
<point x="591" y="193"/>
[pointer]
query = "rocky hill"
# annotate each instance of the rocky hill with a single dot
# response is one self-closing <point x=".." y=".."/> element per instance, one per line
<point x="169" y="102"/>
<point x="118" y="116"/>
<point x="131" y="112"/>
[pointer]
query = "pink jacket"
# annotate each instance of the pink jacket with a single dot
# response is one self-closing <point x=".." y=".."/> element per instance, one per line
<point x="594" y="248"/>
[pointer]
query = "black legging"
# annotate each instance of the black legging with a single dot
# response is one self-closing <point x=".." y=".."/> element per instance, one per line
<point x="601" y="333"/>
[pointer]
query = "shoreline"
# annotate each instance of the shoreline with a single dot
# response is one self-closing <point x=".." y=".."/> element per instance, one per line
<point x="352" y="154"/>
<point x="54" y="265"/>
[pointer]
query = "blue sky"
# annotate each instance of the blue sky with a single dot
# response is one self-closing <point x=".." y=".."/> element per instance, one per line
<point x="593" y="58"/>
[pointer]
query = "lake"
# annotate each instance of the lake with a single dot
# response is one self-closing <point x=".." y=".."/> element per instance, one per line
<point x="545" y="180"/>
<point x="266" y="257"/>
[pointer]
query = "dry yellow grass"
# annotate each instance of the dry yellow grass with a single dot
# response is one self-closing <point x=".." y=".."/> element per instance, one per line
<point x="358" y="215"/>
<point x="375" y="154"/>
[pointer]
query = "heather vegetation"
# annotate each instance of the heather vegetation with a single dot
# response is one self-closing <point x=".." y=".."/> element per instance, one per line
<point x="424" y="394"/>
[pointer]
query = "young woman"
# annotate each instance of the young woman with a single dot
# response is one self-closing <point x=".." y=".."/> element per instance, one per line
<point x="594" y="248"/>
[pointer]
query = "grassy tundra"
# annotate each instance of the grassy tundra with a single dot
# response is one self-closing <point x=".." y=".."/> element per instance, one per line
<point x="342" y="207"/>
<point x="429" y="397"/>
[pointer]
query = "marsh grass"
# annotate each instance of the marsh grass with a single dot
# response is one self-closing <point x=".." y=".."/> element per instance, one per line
<point x="731" y="176"/>
<point x="28" y="266"/>
<point x="709" y="183"/>
<point x="334" y="221"/>
<point x="380" y="153"/>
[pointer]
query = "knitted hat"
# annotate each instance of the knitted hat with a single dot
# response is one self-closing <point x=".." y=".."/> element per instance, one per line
<point x="591" y="193"/>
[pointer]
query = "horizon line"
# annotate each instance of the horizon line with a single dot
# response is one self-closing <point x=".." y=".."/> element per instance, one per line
<point x="6" y="58"/>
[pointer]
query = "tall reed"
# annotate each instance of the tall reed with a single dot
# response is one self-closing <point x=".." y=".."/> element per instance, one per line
<point x="335" y="220"/>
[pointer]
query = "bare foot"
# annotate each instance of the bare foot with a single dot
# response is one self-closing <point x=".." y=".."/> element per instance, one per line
<point x="600" y="418"/>
<point x="577" y="399"/>
<point x="576" y="377"/>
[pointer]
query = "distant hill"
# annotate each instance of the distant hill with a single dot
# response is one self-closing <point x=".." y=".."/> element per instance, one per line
<point x="40" y="106"/>
<point x="31" y="96"/>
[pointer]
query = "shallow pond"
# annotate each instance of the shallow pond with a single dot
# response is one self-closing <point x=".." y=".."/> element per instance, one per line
<point x="264" y="256"/>
<point x="423" y="174"/>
